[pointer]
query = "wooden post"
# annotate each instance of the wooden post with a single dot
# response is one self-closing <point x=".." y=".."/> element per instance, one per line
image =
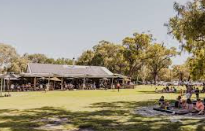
<point x="84" y="83"/>
<point x="1" y="85"/>
<point x="4" y="85"/>
<point x="62" y="83"/>
<point x="34" y="83"/>
<point x="48" y="88"/>
<point x="123" y="83"/>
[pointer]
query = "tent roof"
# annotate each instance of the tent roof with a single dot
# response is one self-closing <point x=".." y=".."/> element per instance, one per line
<point x="68" y="70"/>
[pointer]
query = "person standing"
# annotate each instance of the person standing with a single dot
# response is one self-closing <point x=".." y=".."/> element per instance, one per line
<point x="118" y="87"/>
<point x="197" y="93"/>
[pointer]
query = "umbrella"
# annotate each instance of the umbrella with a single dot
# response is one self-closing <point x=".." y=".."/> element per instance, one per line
<point x="55" y="79"/>
<point x="105" y="79"/>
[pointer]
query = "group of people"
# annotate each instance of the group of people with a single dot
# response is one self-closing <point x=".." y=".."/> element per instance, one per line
<point x="167" y="90"/>
<point x="185" y="106"/>
<point x="189" y="106"/>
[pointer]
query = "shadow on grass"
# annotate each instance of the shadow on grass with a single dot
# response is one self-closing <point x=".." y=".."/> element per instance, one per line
<point x="109" y="116"/>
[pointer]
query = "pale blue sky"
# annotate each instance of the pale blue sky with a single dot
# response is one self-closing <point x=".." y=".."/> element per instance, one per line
<point x="66" y="28"/>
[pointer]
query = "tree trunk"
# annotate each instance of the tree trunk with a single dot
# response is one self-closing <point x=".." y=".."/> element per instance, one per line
<point x="155" y="77"/>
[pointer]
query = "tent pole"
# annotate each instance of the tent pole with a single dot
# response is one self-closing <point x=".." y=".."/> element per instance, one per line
<point x="4" y="85"/>
<point x="49" y="82"/>
<point x="1" y="85"/>
<point x="62" y="83"/>
<point x="84" y="83"/>
<point x="112" y="84"/>
<point x="9" y="86"/>
<point x="34" y="83"/>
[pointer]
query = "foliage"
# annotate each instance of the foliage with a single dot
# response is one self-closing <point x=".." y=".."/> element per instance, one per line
<point x="105" y="54"/>
<point x="135" y="51"/>
<point x="86" y="58"/>
<point x="160" y="57"/>
<point x="165" y="74"/>
<point x="36" y="58"/>
<point x="17" y="65"/>
<point x="188" y="28"/>
<point x="7" y="53"/>
<point x="181" y="72"/>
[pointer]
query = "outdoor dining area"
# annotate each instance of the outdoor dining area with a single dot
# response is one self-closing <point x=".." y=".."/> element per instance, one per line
<point x="41" y="77"/>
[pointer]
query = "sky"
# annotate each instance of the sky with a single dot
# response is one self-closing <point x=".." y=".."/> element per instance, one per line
<point x="66" y="28"/>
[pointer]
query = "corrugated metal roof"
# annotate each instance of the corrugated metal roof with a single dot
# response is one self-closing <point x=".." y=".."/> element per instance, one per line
<point x="69" y="70"/>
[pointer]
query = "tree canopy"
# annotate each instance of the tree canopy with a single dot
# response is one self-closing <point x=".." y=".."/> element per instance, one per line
<point x="188" y="27"/>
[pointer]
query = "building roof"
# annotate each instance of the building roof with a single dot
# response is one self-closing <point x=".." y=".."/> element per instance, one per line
<point x="68" y="70"/>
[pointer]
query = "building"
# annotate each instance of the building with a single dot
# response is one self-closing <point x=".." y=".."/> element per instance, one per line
<point x="62" y="77"/>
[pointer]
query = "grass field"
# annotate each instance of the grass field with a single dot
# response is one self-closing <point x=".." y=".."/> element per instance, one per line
<point x="99" y="110"/>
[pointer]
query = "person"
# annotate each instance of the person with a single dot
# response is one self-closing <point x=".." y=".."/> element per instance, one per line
<point x="12" y="87"/>
<point x="197" y="93"/>
<point x="178" y="102"/>
<point x="167" y="105"/>
<point x="199" y="107"/>
<point x="175" y="90"/>
<point x="47" y="87"/>
<point x="184" y="104"/>
<point x="189" y="105"/>
<point x="203" y="89"/>
<point x="118" y="87"/>
<point x="181" y="92"/>
<point x="167" y="89"/>
<point x="162" y="102"/>
<point x="156" y="90"/>
<point x="189" y="92"/>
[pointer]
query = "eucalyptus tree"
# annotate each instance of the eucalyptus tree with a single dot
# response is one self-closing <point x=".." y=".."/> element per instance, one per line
<point x="188" y="27"/>
<point x="109" y="55"/>
<point x="135" y="52"/>
<point x="86" y="58"/>
<point x="17" y="65"/>
<point x="181" y="72"/>
<point x="159" y="58"/>
<point x="36" y="58"/>
<point x="7" y="53"/>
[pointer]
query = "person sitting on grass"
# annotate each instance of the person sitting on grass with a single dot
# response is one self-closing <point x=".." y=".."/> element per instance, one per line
<point x="203" y="89"/>
<point x="199" y="107"/>
<point x="156" y="90"/>
<point x="178" y="102"/>
<point x="189" y="105"/>
<point x="161" y="102"/>
<point x="167" y="89"/>
<point x="175" y="90"/>
<point x="184" y="104"/>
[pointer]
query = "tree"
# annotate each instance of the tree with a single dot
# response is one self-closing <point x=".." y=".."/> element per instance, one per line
<point x="181" y="72"/>
<point x="18" y="65"/>
<point x="159" y="58"/>
<point x="135" y="51"/>
<point x="188" y="27"/>
<point x="143" y="73"/>
<point x="165" y="74"/>
<point x="109" y="55"/>
<point x="63" y="61"/>
<point x="7" y="53"/>
<point x="86" y="58"/>
<point x="36" y="58"/>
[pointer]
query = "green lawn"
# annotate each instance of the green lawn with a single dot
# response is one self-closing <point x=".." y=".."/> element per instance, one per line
<point x="100" y="110"/>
